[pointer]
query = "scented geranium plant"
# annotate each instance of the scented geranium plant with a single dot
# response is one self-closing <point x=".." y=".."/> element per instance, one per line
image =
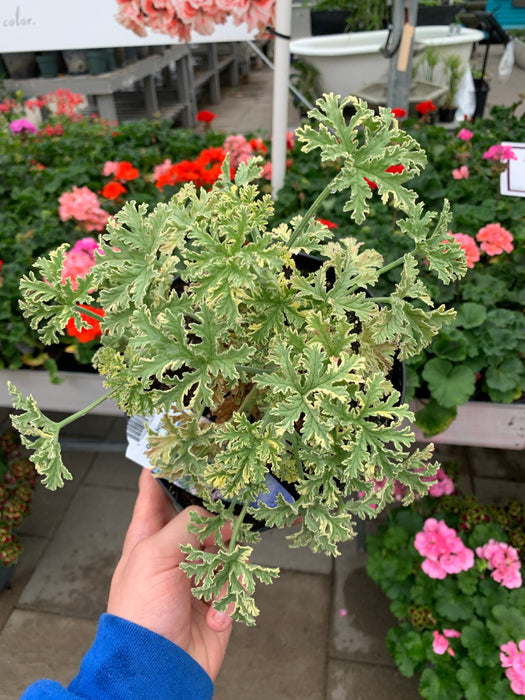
<point x="453" y="569"/>
<point x="266" y="371"/>
<point x="479" y="355"/>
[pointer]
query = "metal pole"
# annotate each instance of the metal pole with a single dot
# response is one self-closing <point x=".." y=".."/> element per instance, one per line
<point x="399" y="50"/>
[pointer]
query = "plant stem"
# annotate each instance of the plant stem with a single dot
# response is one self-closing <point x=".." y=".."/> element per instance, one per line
<point x="306" y="218"/>
<point x="237" y="527"/>
<point x="91" y="314"/>
<point x="83" y="411"/>
<point x="390" y="266"/>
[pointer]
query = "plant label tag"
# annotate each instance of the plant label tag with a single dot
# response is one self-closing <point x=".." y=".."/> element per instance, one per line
<point x="512" y="180"/>
<point x="137" y="436"/>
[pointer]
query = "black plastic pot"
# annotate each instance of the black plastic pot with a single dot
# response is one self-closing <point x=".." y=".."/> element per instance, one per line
<point x="428" y="15"/>
<point x="328" y="21"/>
<point x="6" y="573"/>
<point x="482" y="90"/>
<point x="447" y="114"/>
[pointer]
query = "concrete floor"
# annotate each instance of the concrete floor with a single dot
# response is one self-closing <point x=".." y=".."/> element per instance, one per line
<point x="302" y="647"/>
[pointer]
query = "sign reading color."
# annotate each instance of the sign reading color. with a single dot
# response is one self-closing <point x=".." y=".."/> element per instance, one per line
<point x="50" y="25"/>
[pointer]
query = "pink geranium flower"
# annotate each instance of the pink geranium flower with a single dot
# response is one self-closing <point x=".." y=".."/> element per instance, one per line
<point x="443" y="550"/>
<point x="461" y="173"/>
<point x="512" y="658"/>
<point x="495" y="239"/>
<point x="82" y="204"/>
<point x="444" y="485"/>
<point x="469" y="246"/>
<point x="465" y="134"/>
<point x="239" y="149"/>
<point x="440" y="643"/>
<point x="20" y="126"/>
<point x="504" y="562"/>
<point x="500" y="153"/>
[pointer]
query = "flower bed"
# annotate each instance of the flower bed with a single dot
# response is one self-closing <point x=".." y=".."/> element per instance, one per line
<point x="453" y="570"/>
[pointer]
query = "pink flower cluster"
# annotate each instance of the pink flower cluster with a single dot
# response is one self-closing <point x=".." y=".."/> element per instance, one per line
<point x="469" y="246"/>
<point x="514" y="661"/>
<point x="178" y="18"/>
<point x="21" y="126"/>
<point x="503" y="561"/>
<point x="441" y="644"/>
<point x="495" y="239"/>
<point x="239" y="149"/>
<point x="444" y="485"/>
<point x="465" y="134"/>
<point x="500" y="153"/>
<point x="461" y="173"/>
<point x="82" y="204"/>
<point x="79" y="260"/>
<point x="443" y="550"/>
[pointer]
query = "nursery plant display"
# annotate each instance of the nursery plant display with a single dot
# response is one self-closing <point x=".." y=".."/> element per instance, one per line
<point x="453" y="569"/>
<point x="266" y="373"/>
<point x="479" y="355"/>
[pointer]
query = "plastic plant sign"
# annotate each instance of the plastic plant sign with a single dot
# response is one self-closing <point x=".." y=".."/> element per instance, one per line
<point x="207" y="315"/>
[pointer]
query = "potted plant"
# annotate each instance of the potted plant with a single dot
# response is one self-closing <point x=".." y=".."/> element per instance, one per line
<point x="453" y="74"/>
<point x="338" y="16"/>
<point x="276" y="382"/>
<point x="453" y="569"/>
<point x="17" y="482"/>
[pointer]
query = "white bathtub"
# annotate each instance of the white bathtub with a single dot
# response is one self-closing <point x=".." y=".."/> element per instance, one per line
<point x="348" y="62"/>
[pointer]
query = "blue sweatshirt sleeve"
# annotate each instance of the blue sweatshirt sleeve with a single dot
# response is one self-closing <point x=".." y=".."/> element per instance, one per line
<point x="128" y="661"/>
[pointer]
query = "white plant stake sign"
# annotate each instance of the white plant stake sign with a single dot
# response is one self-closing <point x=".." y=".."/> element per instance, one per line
<point x="207" y="311"/>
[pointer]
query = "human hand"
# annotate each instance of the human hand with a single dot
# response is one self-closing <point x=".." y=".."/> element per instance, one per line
<point x="149" y="589"/>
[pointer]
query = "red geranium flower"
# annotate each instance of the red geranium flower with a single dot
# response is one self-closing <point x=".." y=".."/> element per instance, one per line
<point x="399" y="113"/>
<point x="86" y="334"/>
<point x="395" y="169"/>
<point x="425" y="107"/>
<point x="206" y="116"/>
<point x="113" y="190"/>
<point x="126" y="171"/>
<point x="327" y="223"/>
<point x="371" y="184"/>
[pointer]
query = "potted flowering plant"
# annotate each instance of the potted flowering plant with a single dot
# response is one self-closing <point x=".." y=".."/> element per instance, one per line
<point x="17" y="482"/>
<point x="453" y="571"/>
<point x="274" y="381"/>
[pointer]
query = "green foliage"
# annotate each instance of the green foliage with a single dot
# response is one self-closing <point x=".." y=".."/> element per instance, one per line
<point x="263" y="368"/>
<point x="484" y="612"/>
<point x="485" y="341"/>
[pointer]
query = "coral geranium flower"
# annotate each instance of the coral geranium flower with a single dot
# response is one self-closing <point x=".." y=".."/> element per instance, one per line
<point x="85" y="335"/>
<point x="113" y="190"/>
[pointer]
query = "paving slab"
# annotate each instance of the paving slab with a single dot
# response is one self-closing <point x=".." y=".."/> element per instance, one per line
<point x="49" y="506"/>
<point x="350" y="680"/>
<point x="113" y="470"/>
<point x="274" y="550"/>
<point x="34" y="547"/>
<point x="35" y="645"/>
<point x="360" y="616"/>
<point x="74" y="576"/>
<point x="284" y="656"/>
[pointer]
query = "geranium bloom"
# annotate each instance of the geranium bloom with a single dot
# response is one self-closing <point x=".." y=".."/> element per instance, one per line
<point x="500" y="153"/>
<point x="79" y="260"/>
<point x="444" y="485"/>
<point x="469" y="247"/>
<point x="57" y="130"/>
<point x="465" y="134"/>
<point x="495" y="239"/>
<point x="113" y="190"/>
<point x="327" y="223"/>
<point x="161" y="169"/>
<point x="82" y="204"/>
<point x="206" y="116"/>
<point x="267" y="170"/>
<point x="425" y="107"/>
<point x="239" y="149"/>
<point x="440" y="643"/>
<point x="398" y="112"/>
<point x="93" y="330"/>
<point x="461" y="173"/>
<point x="504" y="562"/>
<point x="258" y="145"/>
<point x="19" y="126"/>
<point x="110" y="168"/>
<point x="125" y="171"/>
<point x="514" y="661"/>
<point x="290" y="140"/>
<point x="443" y="550"/>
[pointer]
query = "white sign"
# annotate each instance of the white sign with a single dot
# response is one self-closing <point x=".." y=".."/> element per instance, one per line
<point x="512" y="181"/>
<point x="53" y="25"/>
